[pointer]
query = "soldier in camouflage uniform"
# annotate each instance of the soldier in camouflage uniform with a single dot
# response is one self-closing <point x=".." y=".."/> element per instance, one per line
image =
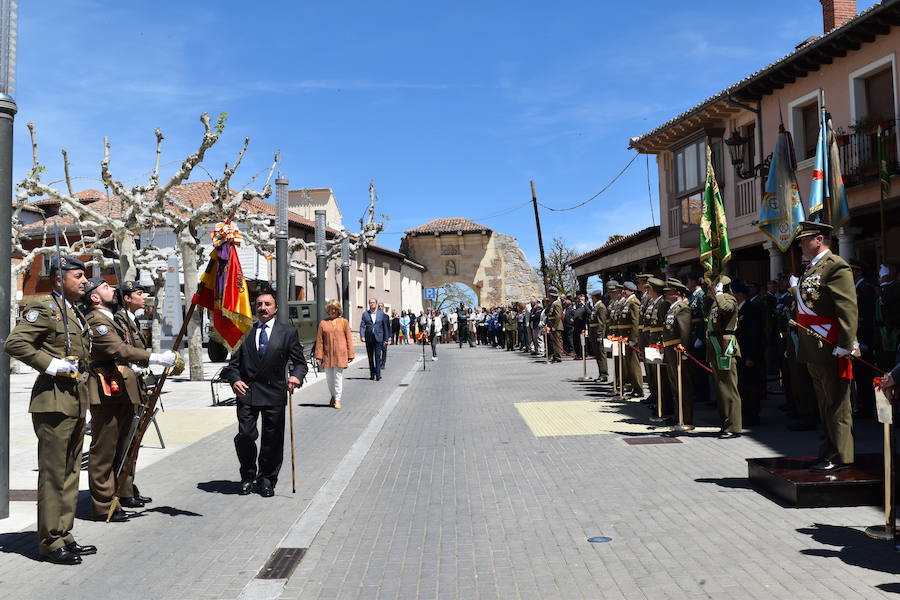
<point x="722" y="351"/>
<point x="59" y="402"/>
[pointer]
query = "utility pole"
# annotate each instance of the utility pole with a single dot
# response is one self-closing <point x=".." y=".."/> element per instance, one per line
<point x="7" y="114"/>
<point x="345" y="276"/>
<point x="282" y="263"/>
<point x="537" y="222"/>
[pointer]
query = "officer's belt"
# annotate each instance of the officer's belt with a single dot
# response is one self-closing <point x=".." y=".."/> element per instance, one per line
<point x="107" y="364"/>
<point x="696" y="320"/>
<point x="668" y="343"/>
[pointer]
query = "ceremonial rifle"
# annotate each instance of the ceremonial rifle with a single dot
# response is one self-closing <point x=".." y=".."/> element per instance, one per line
<point x="64" y="309"/>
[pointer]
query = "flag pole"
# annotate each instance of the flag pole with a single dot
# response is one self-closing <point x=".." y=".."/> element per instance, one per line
<point x="881" y="190"/>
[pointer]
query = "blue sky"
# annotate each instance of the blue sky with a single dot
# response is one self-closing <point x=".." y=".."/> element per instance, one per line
<point x="451" y="109"/>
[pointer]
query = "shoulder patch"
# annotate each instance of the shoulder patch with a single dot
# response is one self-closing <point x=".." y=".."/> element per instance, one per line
<point x="31" y="316"/>
<point x="102" y="329"/>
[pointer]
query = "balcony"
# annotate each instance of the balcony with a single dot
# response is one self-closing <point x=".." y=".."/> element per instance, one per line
<point x="859" y="154"/>
<point x="746" y="201"/>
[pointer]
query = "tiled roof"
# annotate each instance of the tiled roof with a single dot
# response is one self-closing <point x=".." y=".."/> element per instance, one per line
<point x="809" y="50"/>
<point x="452" y="225"/>
<point x="649" y="232"/>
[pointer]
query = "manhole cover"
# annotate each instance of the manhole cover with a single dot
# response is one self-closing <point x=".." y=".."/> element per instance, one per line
<point x="281" y="563"/>
<point x="600" y="539"/>
<point x="651" y="439"/>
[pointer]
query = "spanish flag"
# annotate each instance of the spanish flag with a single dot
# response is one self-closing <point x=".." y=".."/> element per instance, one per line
<point x="222" y="289"/>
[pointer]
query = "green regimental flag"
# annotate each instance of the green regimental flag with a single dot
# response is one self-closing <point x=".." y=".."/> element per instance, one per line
<point x="883" y="173"/>
<point x="715" y="250"/>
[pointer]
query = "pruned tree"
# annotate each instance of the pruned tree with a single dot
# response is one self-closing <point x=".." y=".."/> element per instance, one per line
<point x="452" y="295"/>
<point x="559" y="273"/>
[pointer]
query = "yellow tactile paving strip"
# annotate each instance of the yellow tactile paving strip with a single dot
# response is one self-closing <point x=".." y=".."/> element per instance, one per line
<point x="583" y="417"/>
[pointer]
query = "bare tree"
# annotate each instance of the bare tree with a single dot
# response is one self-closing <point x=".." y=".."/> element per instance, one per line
<point x="451" y="295"/>
<point x="559" y="273"/>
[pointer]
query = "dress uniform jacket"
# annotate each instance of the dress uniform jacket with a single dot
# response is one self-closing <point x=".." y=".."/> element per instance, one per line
<point x="597" y="331"/>
<point x="643" y="341"/>
<point x="112" y="413"/>
<point x="826" y="303"/>
<point x="722" y="350"/>
<point x="629" y="323"/>
<point x="654" y="317"/>
<point x="58" y="406"/>
<point x="677" y="330"/>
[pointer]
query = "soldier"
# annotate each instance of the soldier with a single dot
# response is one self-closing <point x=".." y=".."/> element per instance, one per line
<point x="644" y="289"/>
<point x="653" y="314"/>
<point x="54" y="339"/>
<point x="751" y="366"/>
<point x="697" y="349"/>
<point x="826" y="305"/>
<point x="132" y="299"/>
<point x="887" y="316"/>
<point x="629" y="316"/>
<point x="676" y="338"/>
<point x="555" y="324"/>
<point x="612" y="324"/>
<point x="509" y="326"/>
<point x="114" y="393"/>
<point x="722" y="352"/>
<point x="597" y="333"/>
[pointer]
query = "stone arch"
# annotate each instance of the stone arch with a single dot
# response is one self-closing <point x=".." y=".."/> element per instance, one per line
<point x="490" y="263"/>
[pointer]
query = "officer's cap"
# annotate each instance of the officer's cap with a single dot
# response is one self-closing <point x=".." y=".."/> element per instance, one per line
<point x="657" y="283"/>
<point x="812" y="229"/>
<point x="629" y="285"/>
<point x="127" y="287"/>
<point x="596" y="292"/>
<point x="92" y="284"/>
<point x="643" y="276"/>
<point x="675" y="284"/>
<point x="66" y="263"/>
<point x="612" y="284"/>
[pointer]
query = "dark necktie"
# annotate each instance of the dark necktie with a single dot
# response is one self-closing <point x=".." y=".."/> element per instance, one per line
<point x="263" y="339"/>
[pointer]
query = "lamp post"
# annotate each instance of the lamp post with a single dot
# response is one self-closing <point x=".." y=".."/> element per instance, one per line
<point x="282" y="266"/>
<point x="345" y="276"/>
<point x="320" y="265"/>
<point x="7" y="113"/>
<point x="737" y="148"/>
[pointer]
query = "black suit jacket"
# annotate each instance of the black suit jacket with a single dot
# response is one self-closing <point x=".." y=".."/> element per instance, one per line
<point x="751" y="331"/>
<point x="266" y="376"/>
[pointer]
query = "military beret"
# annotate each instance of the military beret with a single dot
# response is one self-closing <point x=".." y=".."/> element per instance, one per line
<point x="655" y="282"/>
<point x="629" y="285"/>
<point x="92" y="284"/>
<point x="811" y="228"/>
<point x="612" y="283"/>
<point x="66" y="263"/>
<point x="127" y="287"/>
<point x="675" y="284"/>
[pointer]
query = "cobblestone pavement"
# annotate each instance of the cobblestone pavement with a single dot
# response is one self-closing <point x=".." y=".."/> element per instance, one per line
<point x="463" y="495"/>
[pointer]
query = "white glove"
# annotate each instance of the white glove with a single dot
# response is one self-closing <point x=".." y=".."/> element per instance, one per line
<point x="793" y="281"/>
<point x="841" y="351"/>
<point x="140" y="371"/>
<point x="719" y="287"/>
<point x="163" y="359"/>
<point x="61" y="365"/>
<point x="698" y="342"/>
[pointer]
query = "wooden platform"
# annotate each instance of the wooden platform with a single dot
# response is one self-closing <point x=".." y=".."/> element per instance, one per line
<point x="790" y="479"/>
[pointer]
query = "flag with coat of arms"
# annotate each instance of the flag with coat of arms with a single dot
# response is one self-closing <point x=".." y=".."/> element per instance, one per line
<point x="781" y="210"/>
<point x="828" y="196"/>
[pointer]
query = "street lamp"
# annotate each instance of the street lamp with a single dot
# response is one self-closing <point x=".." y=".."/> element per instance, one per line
<point x="7" y="113"/>
<point x="345" y="276"/>
<point x="737" y="148"/>
<point x="282" y="268"/>
<point x="320" y="264"/>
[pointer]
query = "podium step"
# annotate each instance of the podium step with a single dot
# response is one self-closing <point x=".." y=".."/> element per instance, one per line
<point x="790" y="479"/>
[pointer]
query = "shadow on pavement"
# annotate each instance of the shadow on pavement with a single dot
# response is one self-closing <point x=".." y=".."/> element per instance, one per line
<point x="310" y="405"/>
<point x="891" y="588"/>
<point x="856" y="548"/>
<point x="23" y="543"/>
<point x="220" y="486"/>
<point x="742" y="483"/>
<point x="172" y="511"/>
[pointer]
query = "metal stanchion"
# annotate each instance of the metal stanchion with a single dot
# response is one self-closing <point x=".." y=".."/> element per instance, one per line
<point x="659" y="397"/>
<point x="584" y="376"/>
<point x="886" y="413"/>
<point x="546" y="347"/>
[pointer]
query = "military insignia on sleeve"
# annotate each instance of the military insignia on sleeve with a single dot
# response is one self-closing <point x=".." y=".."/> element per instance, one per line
<point x="102" y="329"/>
<point x="31" y="316"/>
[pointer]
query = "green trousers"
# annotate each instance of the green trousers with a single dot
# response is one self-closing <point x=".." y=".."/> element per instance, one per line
<point x="687" y="389"/>
<point x="60" y="439"/>
<point x="833" y="396"/>
<point x="110" y="426"/>
<point x="633" y="373"/>
<point x="729" y="399"/>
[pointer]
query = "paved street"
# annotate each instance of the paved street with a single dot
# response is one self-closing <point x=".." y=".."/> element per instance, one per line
<point x="481" y="476"/>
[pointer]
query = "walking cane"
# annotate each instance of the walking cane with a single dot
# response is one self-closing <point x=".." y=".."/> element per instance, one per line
<point x="293" y="459"/>
<point x="659" y="407"/>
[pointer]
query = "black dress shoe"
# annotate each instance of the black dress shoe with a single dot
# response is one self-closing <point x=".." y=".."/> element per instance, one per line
<point x="144" y="499"/>
<point x="267" y="491"/>
<point x="76" y="548"/>
<point x="826" y="466"/>
<point x="801" y="427"/>
<point x="728" y="435"/>
<point x="378" y="378"/>
<point x="246" y="488"/>
<point x="131" y="503"/>
<point x="371" y="377"/>
<point x="61" y="556"/>
<point x="119" y="516"/>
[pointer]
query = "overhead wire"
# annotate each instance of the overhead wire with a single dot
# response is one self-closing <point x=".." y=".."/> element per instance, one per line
<point x="598" y="194"/>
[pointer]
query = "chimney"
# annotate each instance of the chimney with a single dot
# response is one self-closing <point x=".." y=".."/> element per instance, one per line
<point x="837" y="12"/>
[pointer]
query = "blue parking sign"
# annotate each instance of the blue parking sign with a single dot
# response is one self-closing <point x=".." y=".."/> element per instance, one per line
<point x="429" y="293"/>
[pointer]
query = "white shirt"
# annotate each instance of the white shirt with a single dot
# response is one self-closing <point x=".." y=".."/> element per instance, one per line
<point x="818" y="256"/>
<point x="259" y="327"/>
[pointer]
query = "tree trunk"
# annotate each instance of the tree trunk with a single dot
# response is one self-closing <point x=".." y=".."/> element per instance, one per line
<point x="187" y="245"/>
<point x="14" y="365"/>
<point x="125" y="241"/>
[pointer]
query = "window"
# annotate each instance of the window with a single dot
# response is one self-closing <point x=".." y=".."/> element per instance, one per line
<point x="689" y="179"/>
<point x="387" y="309"/>
<point x="689" y="167"/>
<point x="386" y="274"/>
<point x="359" y="293"/>
<point x="45" y="265"/>
<point x="803" y="123"/>
<point x="872" y="93"/>
<point x="371" y="273"/>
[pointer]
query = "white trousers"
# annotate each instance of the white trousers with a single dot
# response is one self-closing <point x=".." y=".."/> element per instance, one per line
<point x="335" y="378"/>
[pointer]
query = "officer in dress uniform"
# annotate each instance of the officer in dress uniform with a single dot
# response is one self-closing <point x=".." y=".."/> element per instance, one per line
<point x="676" y="338"/>
<point x="653" y="315"/>
<point x="612" y="321"/>
<point x="629" y="317"/>
<point x="700" y="378"/>
<point x="59" y="401"/>
<point x="555" y="324"/>
<point x="826" y="305"/>
<point x="131" y="295"/>
<point x="722" y="353"/>
<point x="597" y="333"/>
<point x="644" y="289"/>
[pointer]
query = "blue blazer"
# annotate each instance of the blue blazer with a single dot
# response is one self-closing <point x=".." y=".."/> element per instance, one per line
<point x="378" y="330"/>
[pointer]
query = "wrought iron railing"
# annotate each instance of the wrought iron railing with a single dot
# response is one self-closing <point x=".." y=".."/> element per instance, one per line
<point x="859" y="153"/>
<point x="746" y="197"/>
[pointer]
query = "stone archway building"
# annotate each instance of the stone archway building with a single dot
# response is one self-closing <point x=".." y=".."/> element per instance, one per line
<point x="461" y="251"/>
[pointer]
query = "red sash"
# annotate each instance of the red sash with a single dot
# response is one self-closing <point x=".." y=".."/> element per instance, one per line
<point x="844" y="364"/>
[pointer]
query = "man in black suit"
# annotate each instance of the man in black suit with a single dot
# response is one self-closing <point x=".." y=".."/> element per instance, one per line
<point x="751" y="365"/>
<point x="257" y="373"/>
<point x="375" y="330"/>
<point x="865" y="335"/>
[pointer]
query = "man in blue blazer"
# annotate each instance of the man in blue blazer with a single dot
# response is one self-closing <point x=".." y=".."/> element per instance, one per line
<point x="375" y="330"/>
